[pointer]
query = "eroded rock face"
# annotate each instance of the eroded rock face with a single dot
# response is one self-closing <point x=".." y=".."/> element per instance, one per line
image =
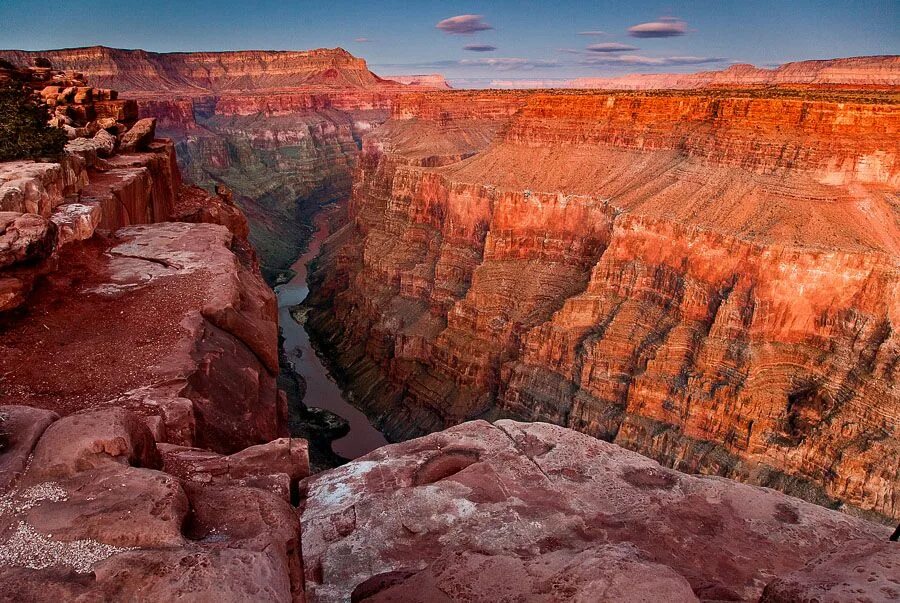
<point x="489" y="512"/>
<point x="282" y="129"/>
<point x="141" y="448"/>
<point x="676" y="273"/>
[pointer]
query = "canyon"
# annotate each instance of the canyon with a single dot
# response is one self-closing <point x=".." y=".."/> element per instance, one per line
<point x="709" y="278"/>
<point x="522" y="285"/>
<point x="281" y="129"/>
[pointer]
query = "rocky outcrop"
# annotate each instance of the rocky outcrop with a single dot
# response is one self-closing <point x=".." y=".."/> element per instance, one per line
<point x="708" y="279"/>
<point x="143" y="438"/>
<point x="875" y="72"/>
<point x="516" y="511"/>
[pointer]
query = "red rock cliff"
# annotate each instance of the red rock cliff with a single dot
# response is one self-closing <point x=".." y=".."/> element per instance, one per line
<point x="142" y="434"/>
<point x="878" y="72"/>
<point x="709" y="279"/>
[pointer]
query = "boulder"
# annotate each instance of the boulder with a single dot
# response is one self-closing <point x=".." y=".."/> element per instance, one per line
<point x="139" y="137"/>
<point x="20" y="428"/>
<point x="25" y="238"/>
<point x="91" y="439"/>
<point x="276" y="466"/>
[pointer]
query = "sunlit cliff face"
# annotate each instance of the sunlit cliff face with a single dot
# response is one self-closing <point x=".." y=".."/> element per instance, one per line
<point x="706" y="278"/>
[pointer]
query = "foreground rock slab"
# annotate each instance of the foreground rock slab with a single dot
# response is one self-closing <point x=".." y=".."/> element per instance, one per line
<point x="531" y="511"/>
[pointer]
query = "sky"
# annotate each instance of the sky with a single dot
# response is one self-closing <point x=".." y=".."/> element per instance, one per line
<point x="477" y="43"/>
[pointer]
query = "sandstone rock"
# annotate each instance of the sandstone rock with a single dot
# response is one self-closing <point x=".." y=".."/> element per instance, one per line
<point x="167" y="304"/>
<point x="31" y="187"/>
<point x="27" y="242"/>
<point x="608" y="573"/>
<point x="20" y="428"/>
<point x="115" y="505"/>
<point x="858" y="570"/>
<point x="252" y="520"/>
<point x="461" y="508"/>
<point x="76" y="221"/>
<point x="92" y="439"/>
<point x="50" y="92"/>
<point x="260" y="466"/>
<point x="25" y="238"/>
<point x="196" y="205"/>
<point x="107" y="123"/>
<point x="13" y="292"/>
<point x="83" y="95"/>
<point x="223" y="574"/>
<point x="139" y="137"/>
<point x="106" y="143"/>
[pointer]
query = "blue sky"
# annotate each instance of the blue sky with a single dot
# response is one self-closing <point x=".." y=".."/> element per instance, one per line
<point x="509" y="41"/>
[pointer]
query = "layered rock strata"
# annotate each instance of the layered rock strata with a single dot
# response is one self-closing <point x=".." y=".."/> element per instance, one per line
<point x="281" y="129"/>
<point x="873" y="72"/>
<point x="709" y="279"/>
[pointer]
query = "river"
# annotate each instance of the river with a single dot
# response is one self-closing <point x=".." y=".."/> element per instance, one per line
<point x="321" y="389"/>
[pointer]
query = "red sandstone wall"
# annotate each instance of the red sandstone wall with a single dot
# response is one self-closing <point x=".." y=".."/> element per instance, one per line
<point x="712" y="346"/>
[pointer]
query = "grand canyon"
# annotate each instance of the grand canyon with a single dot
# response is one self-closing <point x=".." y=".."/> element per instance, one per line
<point x="274" y="327"/>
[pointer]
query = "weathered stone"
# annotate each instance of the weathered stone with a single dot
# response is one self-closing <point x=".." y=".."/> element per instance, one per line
<point x="20" y="429"/>
<point x="92" y="439"/>
<point x="139" y="137"/>
<point x="458" y="510"/>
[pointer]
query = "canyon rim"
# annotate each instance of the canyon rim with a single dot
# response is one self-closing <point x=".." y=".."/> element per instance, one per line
<point x="489" y="307"/>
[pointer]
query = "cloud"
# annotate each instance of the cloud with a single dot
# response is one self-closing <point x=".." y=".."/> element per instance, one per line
<point x="508" y="63"/>
<point x="640" y="60"/>
<point x="610" y="47"/>
<point x="594" y="32"/>
<point x="665" y="27"/>
<point x="463" y="24"/>
<point x="479" y="47"/>
<point x="362" y="40"/>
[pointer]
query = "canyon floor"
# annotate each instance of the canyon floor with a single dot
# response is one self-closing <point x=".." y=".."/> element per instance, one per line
<point x="589" y="317"/>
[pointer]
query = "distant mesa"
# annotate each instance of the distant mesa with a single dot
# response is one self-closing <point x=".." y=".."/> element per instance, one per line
<point x="868" y="71"/>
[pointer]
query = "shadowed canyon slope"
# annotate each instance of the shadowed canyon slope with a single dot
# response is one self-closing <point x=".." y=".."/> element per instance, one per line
<point x="710" y="279"/>
<point x="281" y="129"/>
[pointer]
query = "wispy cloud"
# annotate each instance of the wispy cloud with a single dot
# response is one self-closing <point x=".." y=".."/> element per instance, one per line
<point x="362" y="40"/>
<point x="665" y="27"/>
<point x="463" y="24"/>
<point x="610" y="47"/>
<point x="593" y="32"/>
<point x="640" y="60"/>
<point x="479" y="47"/>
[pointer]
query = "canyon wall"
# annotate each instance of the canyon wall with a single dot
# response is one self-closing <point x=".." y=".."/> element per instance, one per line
<point x="872" y="72"/>
<point x="281" y="129"/>
<point x="709" y="279"/>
